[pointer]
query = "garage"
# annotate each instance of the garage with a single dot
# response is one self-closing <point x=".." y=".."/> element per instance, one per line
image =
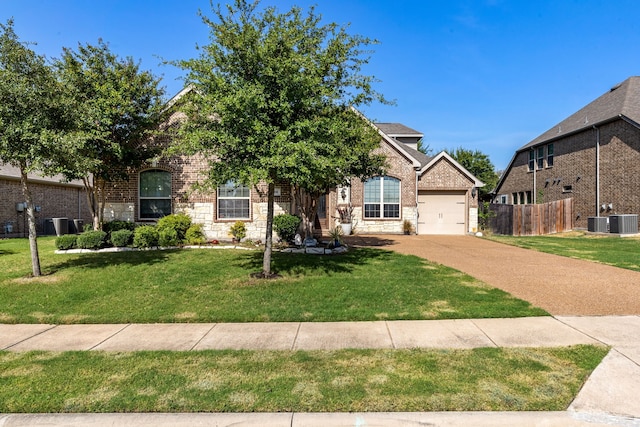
<point x="442" y="212"/>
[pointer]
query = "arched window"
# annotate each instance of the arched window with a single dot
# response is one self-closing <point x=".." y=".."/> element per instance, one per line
<point x="382" y="197"/>
<point x="155" y="194"/>
<point x="233" y="201"/>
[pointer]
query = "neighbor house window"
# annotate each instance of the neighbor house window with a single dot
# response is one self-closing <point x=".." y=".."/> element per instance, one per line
<point x="529" y="200"/>
<point x="549" y="155"/>
<point x="233" y="201"/>
<point x="382" y="197"/>
<point x="514" y="196"/>
<point x="532" y="160"/>
<point x="155" y="194"/>
<point x="540" y="157"/>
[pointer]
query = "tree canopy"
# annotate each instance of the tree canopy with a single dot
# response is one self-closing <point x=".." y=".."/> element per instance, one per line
<point x="479" y="165"/>
<point x="32" y="117"/>
<point x="116" y="107"/>
<point x="273" y="102"/>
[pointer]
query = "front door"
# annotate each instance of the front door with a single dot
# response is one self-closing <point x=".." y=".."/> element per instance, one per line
<point x="321" y="225"/>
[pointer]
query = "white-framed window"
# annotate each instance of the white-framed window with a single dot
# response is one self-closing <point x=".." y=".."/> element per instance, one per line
<point x="382" y="197"/>
<point x="532" y="161"/>
<point x="233" y="201"/>
<point x="154" y="194"/>
<point x="549" y="155"/>
<point x="540" y="157"/>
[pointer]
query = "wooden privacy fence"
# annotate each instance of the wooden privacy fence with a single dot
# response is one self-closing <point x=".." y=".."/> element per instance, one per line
<point x="532" y="220"/>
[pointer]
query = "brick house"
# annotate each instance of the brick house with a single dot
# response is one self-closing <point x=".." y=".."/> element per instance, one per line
<point x="593" y="156"/>
<point x="52" y="197"/>
<point x="435" y="194"/>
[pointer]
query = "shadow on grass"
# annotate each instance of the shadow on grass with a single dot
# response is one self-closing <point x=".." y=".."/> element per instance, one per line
<point x="291" y="264"/>
<point x="101" y="260"/>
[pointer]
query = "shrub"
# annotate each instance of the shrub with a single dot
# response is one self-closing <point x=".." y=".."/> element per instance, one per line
<point x="195" y="235"/>
<point x="121" y="238"/>
<point x="145" y="236"/>
<point x="178" y="222"/>
<point x="168" y="237"/>
<point x="111" y="226"/>
<point x="286" y="226"/>
<point x="67" y="241"/>
<point x="91" y="239"/>
<point x="238" y="230"/>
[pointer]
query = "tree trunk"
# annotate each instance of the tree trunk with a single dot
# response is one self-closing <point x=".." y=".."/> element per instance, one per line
<point x="31" y="218"/>
<point x="96" y="210"/>
<point x="268" y="240"/>
<point x="307" y="205"/>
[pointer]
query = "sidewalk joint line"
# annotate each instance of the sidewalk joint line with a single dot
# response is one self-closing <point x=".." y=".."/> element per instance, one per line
<point x="28" y="338"/>
<point x="295" y="339"/>
<point x="111" y="336"/>
<point x="203" y="336"/>
<point x="473" y="321"/>
<point x="393" y="344"/>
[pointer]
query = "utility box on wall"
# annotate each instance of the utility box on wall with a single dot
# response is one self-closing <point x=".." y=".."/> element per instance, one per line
<point x="623" y="224"/>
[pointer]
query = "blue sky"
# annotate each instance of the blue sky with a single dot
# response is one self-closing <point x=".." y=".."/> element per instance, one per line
<point x="489" y="75"/>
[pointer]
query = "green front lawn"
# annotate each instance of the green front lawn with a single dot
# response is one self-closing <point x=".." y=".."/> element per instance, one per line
<point x="304" y="381"/>
<point x="207" y="285"/>
<point x="616" y="251"/>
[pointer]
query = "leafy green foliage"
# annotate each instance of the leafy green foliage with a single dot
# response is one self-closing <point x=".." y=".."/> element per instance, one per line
<point x="121" y="238"/>
<point x="32" y="117"/>
<point x="66" y="241"/>
<point x="111" y="226"/>
<point x="195" y="235"/>
<point x="286" y="225"/>
<point x="273" y="102"/>
<point x="115" y="107"/>
<point x="180" y="223"/>
<point x="168" y="237"/>
<point x="238" y="230"/>
<point x="145" y="236"/>
<point x="94" y="239"/>
<point x="480" y="166"/>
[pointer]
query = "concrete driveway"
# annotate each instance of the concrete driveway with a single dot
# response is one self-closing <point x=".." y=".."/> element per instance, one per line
<point x="560" y="285"/>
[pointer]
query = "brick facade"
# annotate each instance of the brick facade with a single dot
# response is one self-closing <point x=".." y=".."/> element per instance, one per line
<point x="573" y="174"/>
<point x="53" y="200"/>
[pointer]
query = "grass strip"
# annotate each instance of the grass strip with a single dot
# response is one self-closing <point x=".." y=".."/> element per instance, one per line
<point x="610" y="250"/>
<point x="486" y="379"/>
<point x="206" y="285"/>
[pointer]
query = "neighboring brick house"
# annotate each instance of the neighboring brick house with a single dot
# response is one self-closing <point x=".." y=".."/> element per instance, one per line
<point x="436" y="194"/>
<point x="593" y="156"/>
<point x="52" y="198"/>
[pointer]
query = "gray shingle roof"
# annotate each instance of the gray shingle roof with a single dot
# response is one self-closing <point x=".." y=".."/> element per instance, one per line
<point x="622" y="100"/>
<point x="397" y="129"/>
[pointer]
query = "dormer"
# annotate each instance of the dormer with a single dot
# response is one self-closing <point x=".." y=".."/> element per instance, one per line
<point x="401" y="133"/>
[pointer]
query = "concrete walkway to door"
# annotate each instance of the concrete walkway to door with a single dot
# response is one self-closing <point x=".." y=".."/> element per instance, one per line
<point x="560" y="285"/>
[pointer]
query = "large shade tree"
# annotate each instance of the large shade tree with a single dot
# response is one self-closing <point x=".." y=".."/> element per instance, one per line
<point x="116" y="108"/>
<point x="273" y="102"/>
<point x="32" y="116"/>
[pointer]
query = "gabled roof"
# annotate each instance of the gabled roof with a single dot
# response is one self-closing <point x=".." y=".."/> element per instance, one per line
<point x="445" y="155"/>
<point x="621" y="102"/>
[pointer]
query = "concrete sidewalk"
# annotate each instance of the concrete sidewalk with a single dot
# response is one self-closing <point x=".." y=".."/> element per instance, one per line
<point x="611" y="396"/>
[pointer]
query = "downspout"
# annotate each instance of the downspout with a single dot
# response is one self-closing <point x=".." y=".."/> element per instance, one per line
<point x="597" y="170"/>
<point x="417" y="213"/>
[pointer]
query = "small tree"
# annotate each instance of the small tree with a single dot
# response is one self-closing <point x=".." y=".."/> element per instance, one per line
<point x="116" y="107"/>
<point x="31" y="117"/>
<point x="273" y="96"/>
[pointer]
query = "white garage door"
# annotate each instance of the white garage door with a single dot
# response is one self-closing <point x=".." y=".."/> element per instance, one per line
<point x="441" y="212"/>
